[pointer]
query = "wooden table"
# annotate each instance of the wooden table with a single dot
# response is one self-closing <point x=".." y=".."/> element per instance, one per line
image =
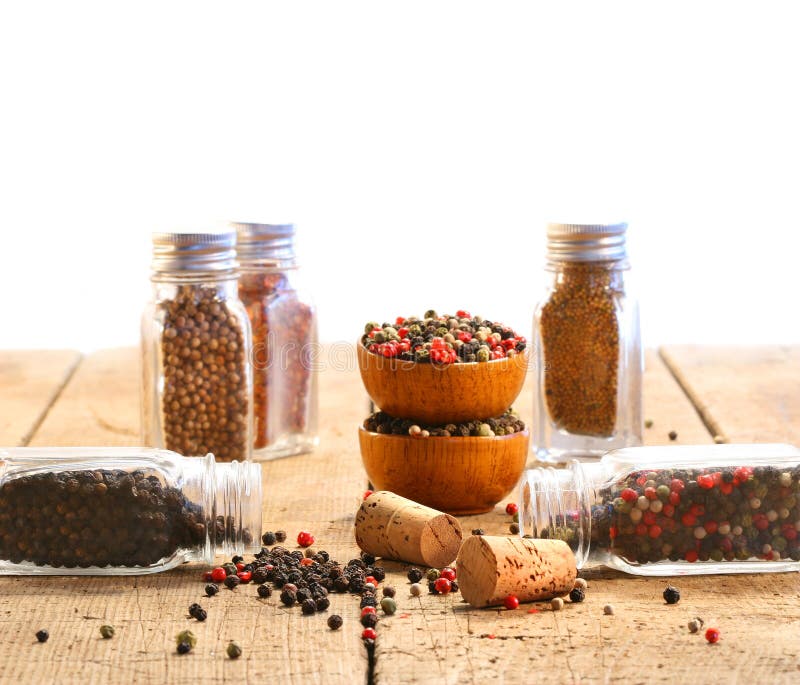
<point x="59" y="398"/>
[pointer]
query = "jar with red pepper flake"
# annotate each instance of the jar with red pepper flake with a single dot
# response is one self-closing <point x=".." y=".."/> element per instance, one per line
<point x="284" y="323"/>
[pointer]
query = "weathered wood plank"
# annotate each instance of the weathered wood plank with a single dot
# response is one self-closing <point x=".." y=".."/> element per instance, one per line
<point x="318" y="492"/>
<point x="745" y="394"/>
<point x="441" y="640"/>
<point x="30" y="381"/>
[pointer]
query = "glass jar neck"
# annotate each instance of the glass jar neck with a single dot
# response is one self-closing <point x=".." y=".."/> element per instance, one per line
<point x="285" y="262"/>
<point x="194" y="278"/>
<point x="557" y="503"/>
<point x="557" y="264"/>
<point x="231" y="497"/>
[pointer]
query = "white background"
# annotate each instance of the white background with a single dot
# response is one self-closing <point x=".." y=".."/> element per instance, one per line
<point x="420" y="147"/>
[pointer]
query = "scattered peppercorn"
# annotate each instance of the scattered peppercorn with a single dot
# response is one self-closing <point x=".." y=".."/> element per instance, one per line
<point x="288" y="597"/>
<point x="577" y="594"/>
<point x="388" y="591"/>
<point x="511" y="602"/>
<point x="447" y="572"/>
<point x="608" y="610"/>
<point x="369" y="634"/>
<point x="280" y="535"/>
<point x="231" y="582"/>
<point x="308" y="606"/>
<point x="432" y="574"/>
<point x="107" y="631"/>
<point x="42" y="635"/>
<point x="269" y="538"/>
<point x="184" y="648"/>
<point x="514" y="528"/>
<point x="648" y="423"/>
<point x="415" y="589"/>
<point x="305" y="539"/>
<point x="367" y="558"/>
<point x="388" y="605"/>
<point x="218" y="575"/>
<point x="264" y="591"/>
<point x="335" y="621"/>
<point x="712" y="635"/>
<point x="414" y="575"/>
<point x="443" y="586"/>
<point x="234" y="651"/>
<point x="212" y="589"/>
<point x="672" y="595"/>
<point x="369" y="620"/>
<point x="557" y="603"/>
<point x="186" y="637"/>
<point x="695" y="624"/>
<point x="672" y="435"/>
<point x="322" y="603"/>
<point x="511" y="508"/>
<point x="478" y="531"/>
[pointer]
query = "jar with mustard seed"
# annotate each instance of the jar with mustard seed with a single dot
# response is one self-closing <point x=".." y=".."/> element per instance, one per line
<point x="284" y="324"/>
<point x="196" y="346"/>
<point x="587" y="346"/>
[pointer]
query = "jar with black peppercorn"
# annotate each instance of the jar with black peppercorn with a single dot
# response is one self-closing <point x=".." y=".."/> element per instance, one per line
<point x="673" y="510"/>
<point x="284" y="323"/>
<point x="196" y="345"/>
<point x="587" y="346"/>
<point x="122" y="510"/>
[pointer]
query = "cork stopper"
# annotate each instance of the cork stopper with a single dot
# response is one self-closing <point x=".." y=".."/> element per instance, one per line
<point x="394" y="527"/>
<point x="490" y="568"/>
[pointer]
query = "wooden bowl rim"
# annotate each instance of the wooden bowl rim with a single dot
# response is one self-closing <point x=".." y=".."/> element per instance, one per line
<point x="414" y="364"/>
<point x="459" y="438"/>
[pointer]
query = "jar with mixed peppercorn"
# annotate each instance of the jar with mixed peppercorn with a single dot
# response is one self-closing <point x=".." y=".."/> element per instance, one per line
<point x="587" y="346"/>
<point x="196" y="375"/>
<point x="122" y="510"/>
<point x="673" y="510"/>
<point x="284" y="323"/>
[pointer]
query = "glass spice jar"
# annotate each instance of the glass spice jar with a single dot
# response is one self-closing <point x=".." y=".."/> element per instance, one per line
<point x="122" y="510"/>
<point x="682" y="510"/>
<point x="587" y="346"/>
<point x="284" y="323"/>
<point x="196" y="375"/>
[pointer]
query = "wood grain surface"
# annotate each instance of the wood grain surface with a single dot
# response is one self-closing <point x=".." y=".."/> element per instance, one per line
<point x="748" y="393"/>
<point x="30" y="381"/>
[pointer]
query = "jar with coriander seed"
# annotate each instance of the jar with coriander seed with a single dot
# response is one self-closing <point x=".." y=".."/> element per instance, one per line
<point x="284" y="324"/>
<point x="587" y="346"/>
<point x="678" y="510"/>
<point x="196" y="346"/>
<point x="122" y="510"/>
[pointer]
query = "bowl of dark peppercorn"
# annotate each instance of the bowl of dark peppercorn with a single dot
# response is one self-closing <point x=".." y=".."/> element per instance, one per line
<point x="464" y="468"/>
<point x="442" y="369"/>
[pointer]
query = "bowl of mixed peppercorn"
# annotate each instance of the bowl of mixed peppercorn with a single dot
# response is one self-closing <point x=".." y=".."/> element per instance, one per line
<point x="460" y="468"/>
<point x="442" y="369"/>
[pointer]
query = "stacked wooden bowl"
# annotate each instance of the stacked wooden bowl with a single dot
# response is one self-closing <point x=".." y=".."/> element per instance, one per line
<point x="458" y="475"/>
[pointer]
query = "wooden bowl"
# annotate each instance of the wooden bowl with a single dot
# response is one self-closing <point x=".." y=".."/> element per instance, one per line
<point x="454" y="475"/>
<point x="439" y="394"/>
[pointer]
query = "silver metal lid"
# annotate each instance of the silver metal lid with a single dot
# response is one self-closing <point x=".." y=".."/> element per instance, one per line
<point x="194" y="252"/>
<point x="264" y="242"/>
<point x="586" y="242"/>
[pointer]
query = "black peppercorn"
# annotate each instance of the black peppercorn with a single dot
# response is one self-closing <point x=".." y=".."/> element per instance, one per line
<point x="280" y="535"/>
<point x="309" y="606"/>
<point x="414" y="575"/>
<point x="322" y="603"/>
<point x="369" y="620"/>
<point x="672" y="595"/>
<point x="673" y="435"/>
<point x="432" y="587"/>
<point x="478" y="531"/>
<point x="453" y="586"/>
<point x="184" y="648"/>
<point x="288" y="597"/>
<point x="268" y="538"/>
<point x="201" y="615"/>
<point x="231" y="582"/>
<point x="368" y="559"/>
<point x="42" y="635"/>
<point x="389" y="591"/>
<point x="193" y="608"/>
<point x="378" y="573"/>
<point x="368" y="601"/>
<point x="577" y="594"/>
<point x="212" y="589"/>
<point x="341" y="584"/>
<point x="264" y="591"/>
<point x="335" y="621"/>
<point x="302" y="595"/>
<point x="237" y="559"/>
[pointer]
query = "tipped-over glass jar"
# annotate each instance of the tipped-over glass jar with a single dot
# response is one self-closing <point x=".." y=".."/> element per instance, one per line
<point x="681" y="510"/>
<point x="284" y="323"/>
<point x="196" y="375"/>
<point x="122" y="511"/>
<point x="587" y="346"/>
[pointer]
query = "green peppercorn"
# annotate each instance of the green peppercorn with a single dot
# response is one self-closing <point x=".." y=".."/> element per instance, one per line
<point x="432" y="574"/>
<point x="234" y="651"/>
<point x="388" y="605"/>
<point x="371" y="326"/>
<point x="186" y="637"/>
<point x="107" y="632"/>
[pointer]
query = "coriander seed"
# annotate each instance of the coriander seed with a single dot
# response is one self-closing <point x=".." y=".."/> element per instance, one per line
<point x="107" y="631"/>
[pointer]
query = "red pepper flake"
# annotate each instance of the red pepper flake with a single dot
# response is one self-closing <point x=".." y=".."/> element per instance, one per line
<point x="533" y="611"/>
<point x="404" y="615"/>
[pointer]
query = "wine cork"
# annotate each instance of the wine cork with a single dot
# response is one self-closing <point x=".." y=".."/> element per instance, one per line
<point x="394" y="527"/>
<point x="491" y="568"/>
